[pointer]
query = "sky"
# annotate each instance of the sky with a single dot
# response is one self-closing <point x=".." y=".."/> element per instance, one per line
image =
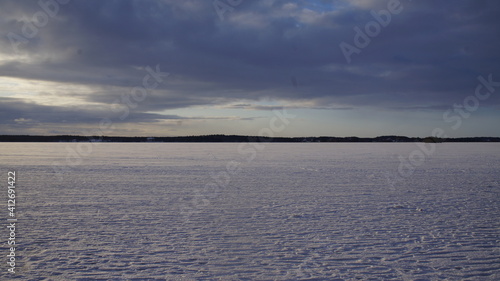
<point x="249" y="67"/>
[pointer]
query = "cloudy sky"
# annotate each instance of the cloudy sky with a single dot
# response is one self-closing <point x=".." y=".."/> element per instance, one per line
<point x="340" y="67"/>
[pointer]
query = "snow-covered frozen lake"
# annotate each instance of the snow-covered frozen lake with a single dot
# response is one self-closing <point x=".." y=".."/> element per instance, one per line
<point x="205" y="211"/>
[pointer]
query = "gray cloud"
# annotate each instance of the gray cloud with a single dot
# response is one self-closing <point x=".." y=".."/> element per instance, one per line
<point x="428" y="56"/>
<point x="16" y="112"/>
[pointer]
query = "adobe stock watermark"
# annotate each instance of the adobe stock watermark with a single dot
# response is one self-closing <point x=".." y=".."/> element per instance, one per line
<point x="211" y="190"/>
<point x="407" y="166"/>
<point x="123" y="105"/>
<point x="12" y="220"/>
<point x="30" y="28"/>
<point x="363" y="37"/>
<point x="223" y="6"/>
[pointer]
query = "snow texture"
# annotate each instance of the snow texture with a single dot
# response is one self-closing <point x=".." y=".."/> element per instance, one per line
<point x="312" y="211"/>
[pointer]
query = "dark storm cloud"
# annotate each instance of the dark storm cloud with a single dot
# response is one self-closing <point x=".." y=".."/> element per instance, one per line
<point x="15" y="112"/>
<point x="428" y="56"/>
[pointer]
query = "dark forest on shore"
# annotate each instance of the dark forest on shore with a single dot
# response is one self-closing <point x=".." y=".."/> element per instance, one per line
<point x="236" y="138"/>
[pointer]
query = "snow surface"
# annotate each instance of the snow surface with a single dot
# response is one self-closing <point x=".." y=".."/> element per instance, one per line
<point x="311" y="211"/>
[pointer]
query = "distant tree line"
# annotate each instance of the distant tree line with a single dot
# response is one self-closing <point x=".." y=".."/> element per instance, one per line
<point x="235" y="138"/>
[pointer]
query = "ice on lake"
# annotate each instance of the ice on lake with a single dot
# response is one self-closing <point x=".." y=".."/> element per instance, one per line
<point x="274" y="211"/>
